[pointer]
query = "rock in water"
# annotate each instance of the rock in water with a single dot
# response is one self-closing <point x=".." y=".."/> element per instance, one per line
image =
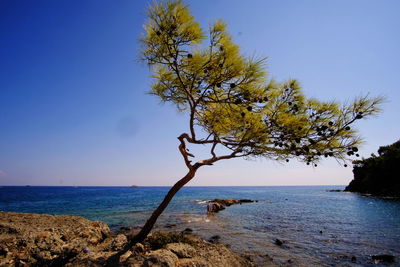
<point x="214" y="239"/>
<point x="220" y="204"/>
<point x="278" y="242"/>
<point x="384" y="258"/>
<point x="188" y="230"/>
<point x="246" y="201"/>
<point x="215" y="207"/>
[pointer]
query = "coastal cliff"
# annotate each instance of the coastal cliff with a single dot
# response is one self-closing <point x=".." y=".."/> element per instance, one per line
<point x="378" y="175"/>
<point x="59" y="240"/>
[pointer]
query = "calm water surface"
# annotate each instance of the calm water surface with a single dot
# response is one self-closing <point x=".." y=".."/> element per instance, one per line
<point x="351" y="225"/>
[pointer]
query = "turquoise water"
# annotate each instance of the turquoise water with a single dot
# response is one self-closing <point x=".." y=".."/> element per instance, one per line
<point x="351" y="224"/>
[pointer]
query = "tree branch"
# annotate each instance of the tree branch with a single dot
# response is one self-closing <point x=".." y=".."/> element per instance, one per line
<point x="213" y="148"/>
<point x="185" y="154"/>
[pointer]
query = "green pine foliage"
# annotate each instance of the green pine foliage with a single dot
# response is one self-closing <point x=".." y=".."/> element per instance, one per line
<point x="230" y="100"/>
<point x="233" y="107"/>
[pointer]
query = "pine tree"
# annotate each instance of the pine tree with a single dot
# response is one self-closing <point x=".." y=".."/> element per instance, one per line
<point x="232" y="105"/>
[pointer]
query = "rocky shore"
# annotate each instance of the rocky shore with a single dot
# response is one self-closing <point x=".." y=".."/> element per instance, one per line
<point x="59" y="240"/>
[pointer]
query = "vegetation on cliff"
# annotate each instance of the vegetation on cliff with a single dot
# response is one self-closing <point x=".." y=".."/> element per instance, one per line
<point x="378" y="175"/>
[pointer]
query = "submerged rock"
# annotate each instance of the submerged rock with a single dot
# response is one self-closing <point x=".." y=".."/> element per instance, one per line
<point x="188" y="231"/>
<point x="214" y="239"/>
<point x="384" y="258"/>
<point x="278" y="242"/>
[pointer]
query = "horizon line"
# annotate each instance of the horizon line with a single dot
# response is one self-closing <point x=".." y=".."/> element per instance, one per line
<point x="138" y="186"/>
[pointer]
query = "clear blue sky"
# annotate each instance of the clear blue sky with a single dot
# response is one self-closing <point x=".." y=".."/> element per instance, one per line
<point x="73" y="102"/>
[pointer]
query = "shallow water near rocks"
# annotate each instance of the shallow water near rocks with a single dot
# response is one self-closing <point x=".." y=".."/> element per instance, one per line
<point x="316" y="227"/>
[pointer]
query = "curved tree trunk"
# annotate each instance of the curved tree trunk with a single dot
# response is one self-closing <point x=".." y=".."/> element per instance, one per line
<point x="153" y="218"/>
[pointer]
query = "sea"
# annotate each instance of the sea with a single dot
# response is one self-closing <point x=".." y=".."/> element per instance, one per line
<point x="317" y="227"/>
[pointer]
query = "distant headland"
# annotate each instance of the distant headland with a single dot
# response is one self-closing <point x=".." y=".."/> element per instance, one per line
<point x="378" y="175"/>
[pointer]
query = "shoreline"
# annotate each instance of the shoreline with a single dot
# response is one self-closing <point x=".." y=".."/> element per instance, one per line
<point x="317" y="228"/>
<point x="28" y="239"/>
